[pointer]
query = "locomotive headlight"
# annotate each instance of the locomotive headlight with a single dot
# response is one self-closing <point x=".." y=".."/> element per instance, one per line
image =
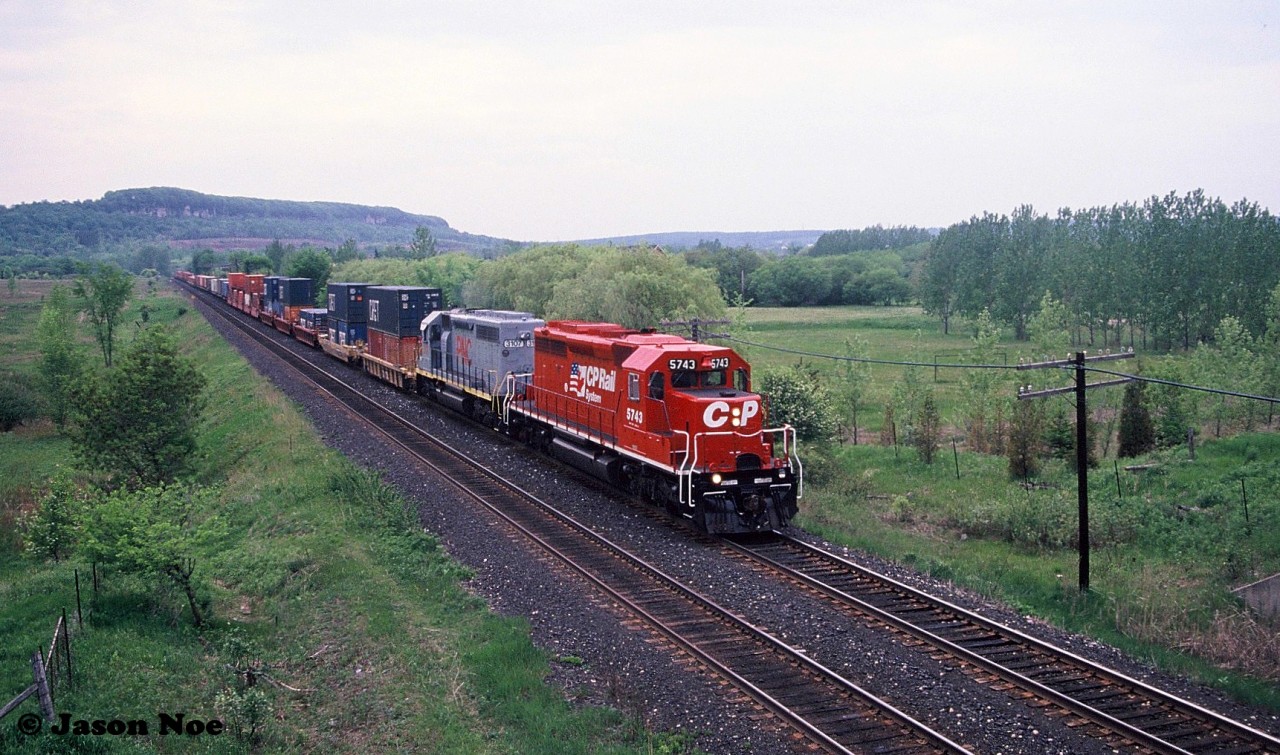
<point x="736" y="422"/>
<point x="716" y="478"/>
<point x="782" y="474"/>
<point x="736" y="411"/>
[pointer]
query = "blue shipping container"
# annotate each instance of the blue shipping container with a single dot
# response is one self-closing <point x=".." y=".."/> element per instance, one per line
<point x="398" y="310"/>
<point x="347" y="302"/>
<point x="314" y="318"/>
<point x="348" y="333"/>
<point x="296" y="292"/>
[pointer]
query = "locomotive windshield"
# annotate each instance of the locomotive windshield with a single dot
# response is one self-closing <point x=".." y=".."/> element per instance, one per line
<point x="698" y="379"/>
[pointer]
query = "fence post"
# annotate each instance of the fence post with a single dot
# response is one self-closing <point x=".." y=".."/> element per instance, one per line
<point x="42" y="686"/>
<point x="66" y="644"/>
<point x="79" y="613"/>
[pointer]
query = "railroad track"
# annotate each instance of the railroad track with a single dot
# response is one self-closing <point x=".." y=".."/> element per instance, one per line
<point x="1136" y="714"/>
<point x="825" y="708"/>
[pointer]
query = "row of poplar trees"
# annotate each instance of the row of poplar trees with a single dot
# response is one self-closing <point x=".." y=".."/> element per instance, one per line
<point x="1162" y="274"/>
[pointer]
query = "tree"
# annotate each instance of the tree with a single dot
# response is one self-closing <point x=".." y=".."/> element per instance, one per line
<point x="798" y="397"/>
<point x="19" y="400"/>
<point x="60" y="363"/>
<point x="985" y="405"/>
<point x="276" y="252"/>
<point x="104" y="292"/>
<point x="857" y="378"/>
<point x="347" y="252"/>
<point x="1025" y="445"/>
<point x="1137" y="434"/>
<point x="50" y="530"/>
<point x="257" y="263"/>
<point x="138" y="423"/>
<point x="424" y="244"/>
<point x="152" y="531"/>
<point x="313" y="264"/>
<point x="637" y="288"/>
<point x="927" y="435"/>
<point x="1050" y="328"/>
<point x="203" y="261"/>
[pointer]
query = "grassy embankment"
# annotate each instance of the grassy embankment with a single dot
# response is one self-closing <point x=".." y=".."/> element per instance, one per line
<point x="323" y="577"/>
<point x="1168" y="543"/>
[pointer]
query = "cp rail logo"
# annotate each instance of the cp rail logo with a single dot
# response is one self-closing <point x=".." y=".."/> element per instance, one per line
<point x="166" y="725"/>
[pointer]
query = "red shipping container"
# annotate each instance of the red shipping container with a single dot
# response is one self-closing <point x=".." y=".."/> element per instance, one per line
<point x="236" y="280"/>
<point x="255" y="284"/>
<point x="400" y="351"/>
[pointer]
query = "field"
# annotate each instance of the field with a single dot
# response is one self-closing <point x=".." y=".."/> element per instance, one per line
<point x="1169" y="541"/>
<point x="300" y="570"/>
<point x="321" y="577"/>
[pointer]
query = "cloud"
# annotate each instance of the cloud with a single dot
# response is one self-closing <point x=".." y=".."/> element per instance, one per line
<point x="570" y="119"/>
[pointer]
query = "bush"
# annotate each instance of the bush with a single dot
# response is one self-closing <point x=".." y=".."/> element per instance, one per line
<point x="798" y="397"/>
<point x="19" y="401"/>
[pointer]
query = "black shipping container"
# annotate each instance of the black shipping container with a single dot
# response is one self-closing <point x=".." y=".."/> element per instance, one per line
<point x="271" y="288"/>
<point x="398" y="310"/>
<point x="296" y="292"/>
<point x="347" y="302"/>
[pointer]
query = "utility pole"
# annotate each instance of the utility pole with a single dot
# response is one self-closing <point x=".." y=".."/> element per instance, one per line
<point x="1078" y="363"/>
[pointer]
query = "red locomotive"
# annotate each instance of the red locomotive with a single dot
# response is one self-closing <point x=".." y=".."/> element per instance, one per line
<point x="669" y="419"/>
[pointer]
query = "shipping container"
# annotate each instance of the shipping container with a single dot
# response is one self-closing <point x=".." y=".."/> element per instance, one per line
<point x="296" y="292"/>
<point x="236" y="280"/>
<point x="314" y="318"/>
<point x="401" y="351"/>
<point x="271" y="288"/>
<point x="222" y="288"/>
<point x="347" y="302"/>
<point x="398" y="310"/>
<point x="254" y="284"/>
<point x="348" y="333"/>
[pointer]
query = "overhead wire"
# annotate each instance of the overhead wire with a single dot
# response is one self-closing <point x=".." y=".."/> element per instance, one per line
<point x="940" y="365"/>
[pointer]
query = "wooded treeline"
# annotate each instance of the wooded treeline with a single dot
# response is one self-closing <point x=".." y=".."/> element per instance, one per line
<point x="1163" y="273"/>
<point x="116" y="225"/>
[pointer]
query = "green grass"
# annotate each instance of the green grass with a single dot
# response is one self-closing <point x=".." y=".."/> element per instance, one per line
<point x="324" y="578"/>
<point x="890" y="333"/>
<point x="1159" y="577"/>
<point x="1168" y="543"/>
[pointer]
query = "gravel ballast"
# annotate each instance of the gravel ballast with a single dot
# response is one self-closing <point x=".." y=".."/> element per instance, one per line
<point x="603" y="657"/>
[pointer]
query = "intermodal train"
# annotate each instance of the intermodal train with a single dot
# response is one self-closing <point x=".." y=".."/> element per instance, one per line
<point x="670" y="420"/>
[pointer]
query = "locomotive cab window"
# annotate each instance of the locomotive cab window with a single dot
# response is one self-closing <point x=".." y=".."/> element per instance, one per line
<point x="656" y="386"/>
<point x="633" y="386"/>
<point x="741" y="381"/>
<point x="713" y="379"/>
<point x="684" y="379"/>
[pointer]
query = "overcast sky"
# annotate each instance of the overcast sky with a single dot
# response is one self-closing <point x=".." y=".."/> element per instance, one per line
<point x="582" y="118"/>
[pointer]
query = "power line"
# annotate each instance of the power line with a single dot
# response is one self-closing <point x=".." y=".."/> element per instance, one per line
<point x="1219" y="391"/>
<point x="1066" y="365"/>
<point x="868" y="360"/>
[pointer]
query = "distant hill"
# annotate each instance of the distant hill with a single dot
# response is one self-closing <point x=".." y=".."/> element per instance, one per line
<point x="765" y="241"/>
<point x="183" y="218"/>
<point x="123" y="221"/>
